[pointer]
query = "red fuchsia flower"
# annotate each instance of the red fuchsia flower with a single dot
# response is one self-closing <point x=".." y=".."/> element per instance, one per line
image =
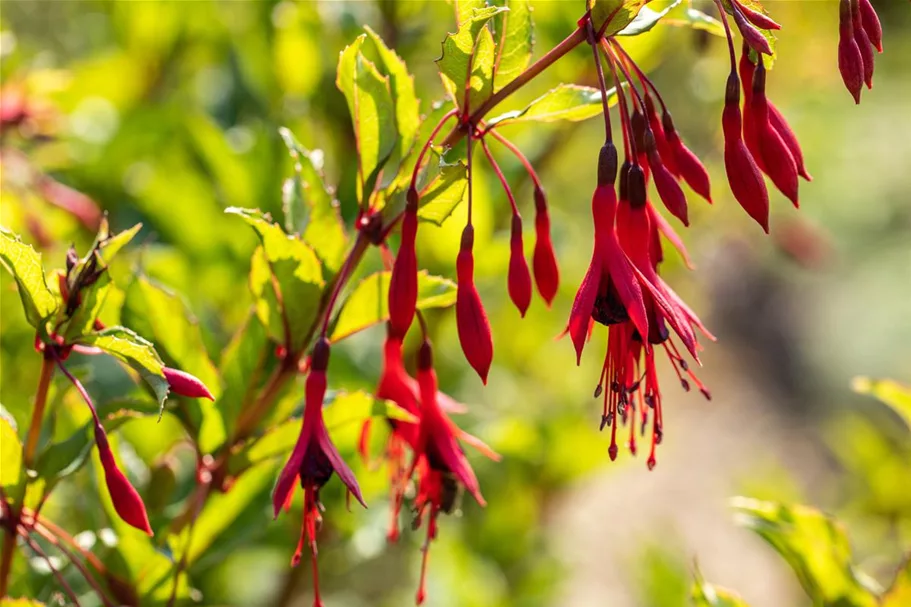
<point x="751" y="34"/>
<point x="544" y="260"/>
<point x="518" y="277"/>
<point x="871" y="24"/>
<point x="312" y="463"/>
<point x="403" y="285"/>
<point x="743" y="174"/>
<point x="850" y="58"/>
<point x="691" y="168"/>
<point x="126" y="500"/>
<point x="186" y="384"/>
<point x="471" y="319"/>
<point x="757" y="18"/>
<point x="443" y="470"/>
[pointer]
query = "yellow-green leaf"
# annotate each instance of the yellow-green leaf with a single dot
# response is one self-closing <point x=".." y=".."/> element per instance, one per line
<point x="24" y="263"/>
<point x="709" y="595"/>
<point x="899" y="593"/>
<point x="646" y="20"/>
<point x="515" y="40"/>
<point x="611" y="16"/>
<point x="570" y="102"/>
<point x="372" y="113"/>
<point x="815" y="546"/>
<point x="368" y="304"/>
<point x="897" y="396"/>
<point x="470" y="52"/>
<point x="10" y="455"/>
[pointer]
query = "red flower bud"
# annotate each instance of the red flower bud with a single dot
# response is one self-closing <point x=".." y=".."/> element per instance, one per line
<point x="781" y="125"/>
<point x="866" y="49"/>
<point x="751" y="35"/>
<point x="474" y="328"/>
<point x="871" y="24"/>
<point x="668" y="189"/>
<point x="757" y="18"/>
<point x="664" y="148"/>
<point x="691" y="168"/>
<point x="750" y="128"/>
<point x="850" y="61"/>
<point x="544" y="261"/>
<point x="185" y="384"/>
<point x="124" y="496"/>
<point x="403" y="286"/>
<point x="743" y="174"/>
<point x="519" y="278"/>
<point x="778" y="163"/>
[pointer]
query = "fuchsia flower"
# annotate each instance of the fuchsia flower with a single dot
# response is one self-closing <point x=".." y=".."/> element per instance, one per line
<point x="403" y="286"/>
<point x="443" y="470"/>
<point x="859" y="32"/>
<point x="471" y="319"/>
<point x="518" y="277"/>
<point x="312" y="462"/>
<point x="544" y="260"/>
<point x="186" y="384"/>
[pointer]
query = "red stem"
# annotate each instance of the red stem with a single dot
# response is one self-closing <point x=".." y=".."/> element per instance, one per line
<point x="501" y="177"/>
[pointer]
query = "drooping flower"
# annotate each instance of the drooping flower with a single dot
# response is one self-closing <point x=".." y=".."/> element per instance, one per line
<point x="403" y="285"/>
<point x="850" y="59"/>
<point x="185" y="384"/>
<point x="544" y="261"/>
<point x="471" y="319"/>
<point x="442" y="468"/>
<point x="313" y="461"/>
<point x="518" y="277"/>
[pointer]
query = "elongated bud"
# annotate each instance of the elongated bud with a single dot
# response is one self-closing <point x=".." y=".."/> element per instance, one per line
<point x="866" y="49"/>
<point x="871" y="24"/>
<point x="750" y="126"/>
<point x="403" y="286"/>
<point x="519" y="278"/>
<point x="778" y="122"/>
<point x="185" y="384"/>
<point x="124" y="496"/>
<point x="664" y="148"/>
<point x="544" y="261"/>
<point x="850" y="61"/>
<point x="607" y="164"/>
<point x="471" y="319"/>
<point x="691" y="168"/>
<point x="776" y="157"/>
<point x="760" y="20"/>
<point x="743" y="174"/>
<point x="636" y="185"/>
<point x="751" y="35"/>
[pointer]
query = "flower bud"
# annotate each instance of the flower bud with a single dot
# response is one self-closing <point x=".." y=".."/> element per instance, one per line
<point x="124" y="496"/>
<point x="750" y="129"/>
<point x="636" y="187"/>
<point x="403" y="286"/>
<point x="760" y="20"/>
<point x="691" y="168"/>
<point x="664" y="148"/>
<point x="743" y="174"/>
<point x="850" y="61"/>
<point x="751" y="35"/>
<point x="544" y="261"/>
<point x="471" y="319"/>
<point x="519" y="278"/>
<point x="778" y="122"/>
<point x="668" y="189"/>
<point x="866" y="49"/>
<point x="185" y="384"/>
<point x="871" y="24"/>
<point x="607" y="164"/>
<point x="777" y="161"/>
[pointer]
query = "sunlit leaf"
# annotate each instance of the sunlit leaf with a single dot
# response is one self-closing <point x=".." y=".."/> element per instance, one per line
<point x="815" y="546"/>
<point x="570" y="102"/>
<point x="515" y="39"/>
<point x="646" y="20"/>
<point x="401" y="84"/>
<point x="288" y="286"/>
<point x="709" y="595"/>
<point x="138" y="353"/>
<point x="372" y="112"/>
<point x="243" y="367"/>
<point x="444" y="193"/>
<point x="897" y="396"/>
<point x="368" y="304"/>
<point x="310" y="207"/>
<point x="611" y="16"/>
<point x="160" y="314"/>
<point x="10" y="456"/>
<point x="464" y="9"/>
<point x="20" y="603"/>
<point x="24" y="263"/>
<point x="470" y="51"/>
<point x="701" y="21"/>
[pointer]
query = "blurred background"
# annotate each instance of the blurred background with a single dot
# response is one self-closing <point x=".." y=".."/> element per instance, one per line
<point x="167" y="113"/>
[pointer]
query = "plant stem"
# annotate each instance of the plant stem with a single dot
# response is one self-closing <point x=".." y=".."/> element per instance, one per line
<point x="568" y="44"/>
<point x="6" y="558"/>
<point x="34" y="430"/>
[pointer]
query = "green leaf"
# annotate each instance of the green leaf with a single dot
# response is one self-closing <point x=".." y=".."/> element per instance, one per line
<point x="891" y="393"/>
<point x="401" y="84"/>
<point x="899" y="593"/>
<point x="109" y="246"/>
<point x="315" y="215"/>
<point x="570" y="102"/>
<point x="701" y="21"/>
<point x="10" y="456"/>
<point x="709" y="595"/>
<point x="24" y="263"/>
<point x="286" y="279"/>
<point x="368" y="304"/>
<point x="162" y="315"/>
<point x="464" y="9"/>
<point x="472" y="46"/>
<point x="646" y="20"/>
<point x="138" y="353"/>
<point x="444" y="193"/>
<point x="21" y="603"/>
<point x="372" y="114"/>
<point x="82" y="321"/>
<point x="815" y="546"/>
<point x="243" y="367"/>
<point x="618" y="14"/>
<point x="515" y="41"/>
